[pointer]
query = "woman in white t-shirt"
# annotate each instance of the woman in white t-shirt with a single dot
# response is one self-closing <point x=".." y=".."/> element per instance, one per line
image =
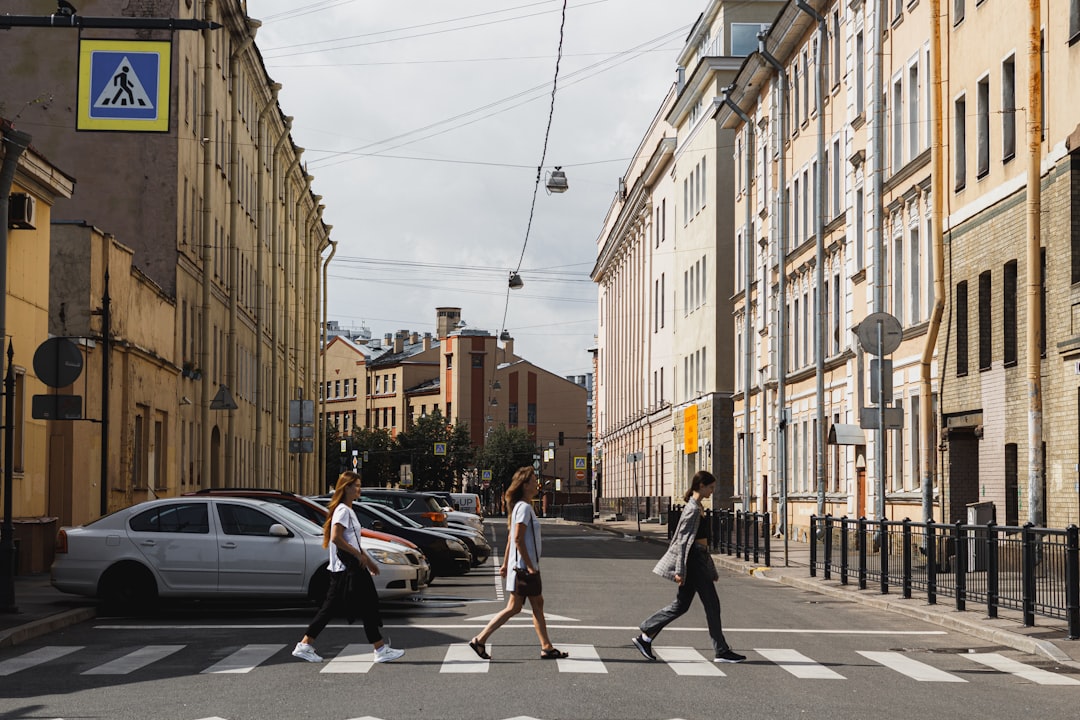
<point x="521" y="566"/>
<point x="351" y="588"/>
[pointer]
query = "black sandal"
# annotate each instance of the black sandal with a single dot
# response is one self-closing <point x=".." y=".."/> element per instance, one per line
<point x="479" y="649"/>
<point x="553" y="654"/>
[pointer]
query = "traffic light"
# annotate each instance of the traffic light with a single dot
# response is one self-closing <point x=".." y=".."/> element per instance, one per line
<point x="561" y="438"/>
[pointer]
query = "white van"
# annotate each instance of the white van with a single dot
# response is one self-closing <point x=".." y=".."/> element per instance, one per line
<point x="468" y="502"/>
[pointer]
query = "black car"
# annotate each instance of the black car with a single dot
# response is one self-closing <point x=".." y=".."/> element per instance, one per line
<point x="476" y="542"/>
<point x="420" y="507"/>
<point x="446" y="554"/>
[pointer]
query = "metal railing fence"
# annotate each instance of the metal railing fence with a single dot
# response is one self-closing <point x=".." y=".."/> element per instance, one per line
<point x="1033" y="570"/>
<point x="733" y="532"/>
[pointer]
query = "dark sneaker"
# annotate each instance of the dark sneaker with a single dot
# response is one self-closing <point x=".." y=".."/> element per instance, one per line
<point x="644" y="647"/>
<point x="729" y="656"/>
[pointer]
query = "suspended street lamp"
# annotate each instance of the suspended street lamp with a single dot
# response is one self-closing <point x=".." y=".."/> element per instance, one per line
<point x="556" y="181"/>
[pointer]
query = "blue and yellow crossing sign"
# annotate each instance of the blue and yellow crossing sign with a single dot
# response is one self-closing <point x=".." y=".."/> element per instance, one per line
<point x="124" y="85"/>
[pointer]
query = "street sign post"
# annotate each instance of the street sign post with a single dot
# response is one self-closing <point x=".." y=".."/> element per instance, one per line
<point x="880" y="334"/>
<point x="634" y="458"/>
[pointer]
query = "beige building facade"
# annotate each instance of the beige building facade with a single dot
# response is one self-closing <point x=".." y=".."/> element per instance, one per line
<point x="219" y="213"/>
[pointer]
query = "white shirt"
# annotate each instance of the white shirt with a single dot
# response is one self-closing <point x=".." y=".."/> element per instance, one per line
<point x="344" y="516"/>
<point x="523" y="514"/>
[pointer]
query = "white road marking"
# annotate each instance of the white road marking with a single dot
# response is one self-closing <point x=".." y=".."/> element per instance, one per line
<point x="914" y="669"/>
<point x="134" y="660"/>
<point x="1027" y="672"/>
<point x="688" y="661"/>
<point x="460" y="658"/>
<point x="354" y="658"/>
<point x="36" y="657"/>
<point x="583" y="659"/>
<point x="523" y="615"/>
<point x="798" y="664"/>
<point x="243" y="660"/>
<point x="478" y="622"/>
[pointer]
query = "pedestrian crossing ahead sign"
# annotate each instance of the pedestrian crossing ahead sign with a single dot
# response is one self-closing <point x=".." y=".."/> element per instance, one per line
<point x="124" y="85"/>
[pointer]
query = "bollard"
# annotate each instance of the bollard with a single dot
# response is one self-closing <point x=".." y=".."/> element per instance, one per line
<point x="991" y="570"/>
<point x="960" y="564"/>
<point x="768" y="541"/>
<point x="844" y="550"/>
<point x="862" y="553"/>
<point x="828" y="547"/>
<point x="883" y="555"/>
<point x="931" y="563"/>
<point x="746" y="538"/>
<point x="756" y="534"/>
<point x="1072" y="580"/>
<point x="905" y="581"/>
<point x="813" y="546"/>
<point x="1028" y="571"/>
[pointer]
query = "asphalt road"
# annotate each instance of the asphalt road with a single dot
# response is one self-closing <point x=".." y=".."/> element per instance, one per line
<point x="808" y="656"/>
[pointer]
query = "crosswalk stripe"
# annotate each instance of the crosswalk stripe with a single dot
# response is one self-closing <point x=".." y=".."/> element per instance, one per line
<point x="353" y="658"/>
<point x="36" y="657"/>
<point x="798" y="664"/>
<point x="1013" y="667"/>
<point x="243" y="660"/>
<point x="688" y="661"/>
<point x="460" y="658"/>
<point x="134" y="660"/>
<point x="912" y="668"/>
<point x="583" y="659"/>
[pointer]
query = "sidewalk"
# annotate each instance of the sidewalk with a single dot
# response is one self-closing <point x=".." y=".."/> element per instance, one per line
<point x="1048" y="638"/>
<point x="41" y="609"/>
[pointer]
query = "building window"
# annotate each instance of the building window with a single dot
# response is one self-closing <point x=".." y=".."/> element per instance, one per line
<point x="806" y="85"/>
<point x="532" y="414"/>
<point x="512" y="414"/>
<point x="838" y="313"/>
<point x="961" y="328"/>
<point x="663" y="303"/>
<point x="898" y="275"/>
<point x="982" y="102"/>
<point x="836" y="46"/>
<point x="796" y="98"/>
<point x="958" y="11"/>
<point x="860" y="241"/>
<point x="898" y="125"/>
<point x="1074" y="20"/>
<point x="1012" y="486"/>
<point x="837" y="173"/>
<point x="795" y="217"/>
<point x="860" y="74"/>
<point x="986" y="333"/>
<point x="914" y="119"/>
<point x="477" y="362"/>
<point x="960" y="160"/>
<point x="1008" y="109"/>
<point x="1008" y="313"/>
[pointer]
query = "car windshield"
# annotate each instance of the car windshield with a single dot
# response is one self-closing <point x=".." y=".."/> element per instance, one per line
<point x="392" y="515"/>
<point x="432" y="504"/>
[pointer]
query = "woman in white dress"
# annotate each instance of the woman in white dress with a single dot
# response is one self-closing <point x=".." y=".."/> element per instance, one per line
<point x="521" y="566"/>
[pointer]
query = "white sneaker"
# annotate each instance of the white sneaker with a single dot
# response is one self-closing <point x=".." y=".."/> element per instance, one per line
<point x="387" y="653"/>
<point x="305" y="651"/>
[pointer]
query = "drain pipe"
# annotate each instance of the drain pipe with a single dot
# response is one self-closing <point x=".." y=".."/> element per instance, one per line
<point x="320" y="436"/>
<point x="1034" y="268"/>
<point x="819" y="270"/>
<point x="207" y="259"/>
<point x="937" y="191"/>
<point x="748" y="262"/>
<point x="780" y="212"/>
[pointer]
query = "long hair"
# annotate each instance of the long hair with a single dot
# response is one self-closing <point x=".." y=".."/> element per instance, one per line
<point x="702" y="478"/>
<point x="516" y="491"/>
<point x="344" y="480"/>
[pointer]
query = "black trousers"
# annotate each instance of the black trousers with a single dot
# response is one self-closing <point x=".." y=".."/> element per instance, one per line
<point x="364" y="600"/>
<point x="698" y="581"/>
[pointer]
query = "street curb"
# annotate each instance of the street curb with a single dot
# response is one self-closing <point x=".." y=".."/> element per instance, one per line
<point x="31" y="630"/>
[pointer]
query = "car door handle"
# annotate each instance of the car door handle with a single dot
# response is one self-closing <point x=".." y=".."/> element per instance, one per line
<point x="228" y="545"/>
<point x="148" y="543"/>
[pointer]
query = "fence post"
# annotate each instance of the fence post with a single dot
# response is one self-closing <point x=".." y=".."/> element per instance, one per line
<point x="883" y="554"/>
<point x="906" y="580"/>
<point x="828" y="546"/>
<point x="931" y="563"/>
<point x="746" y="537"/>
<point x="813" y="546"/>
<point x="991" y="570"/>
<point x="862" y="553"/>
<point x="729" y="523"/>
<point x="844" y="539"/>
<point x="960" y="564"/>
<point x="768" y="540"/>
<point x="1072" y="580"/>
<point x="1028" y="540"/>
<point x="756" y="528"/>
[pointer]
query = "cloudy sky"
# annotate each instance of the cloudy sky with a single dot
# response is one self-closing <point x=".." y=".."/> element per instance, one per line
<point x="424" y="124"/>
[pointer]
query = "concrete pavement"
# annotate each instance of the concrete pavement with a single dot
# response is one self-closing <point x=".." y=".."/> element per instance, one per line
<point x="1048" y="638"/>
<point x="43" y="609"/>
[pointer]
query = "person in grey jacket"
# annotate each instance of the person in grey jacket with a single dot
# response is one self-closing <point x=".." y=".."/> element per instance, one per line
<point x="688" y="563"/>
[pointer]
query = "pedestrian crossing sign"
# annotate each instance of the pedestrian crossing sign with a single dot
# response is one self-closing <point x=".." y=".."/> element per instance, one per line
<point x="124" y="85"/>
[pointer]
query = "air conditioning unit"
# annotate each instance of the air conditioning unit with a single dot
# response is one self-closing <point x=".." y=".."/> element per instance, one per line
<point x="21" y="211"/>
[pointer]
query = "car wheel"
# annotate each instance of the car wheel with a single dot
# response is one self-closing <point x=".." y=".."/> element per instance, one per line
<point x="128" y="587"/>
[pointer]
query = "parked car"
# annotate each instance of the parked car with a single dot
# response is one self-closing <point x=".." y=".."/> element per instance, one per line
<point x="419" y="506"/>
<point x="316" y="513"/>
<point x="467" y="502"/>
<point x="446" y="502"/>
<point x="477" y="544"/>
<point x="447" y="554"/>
<point x="209" y="547"/>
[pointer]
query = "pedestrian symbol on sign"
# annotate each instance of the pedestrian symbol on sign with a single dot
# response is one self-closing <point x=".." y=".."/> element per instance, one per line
<point x="129" y="90"/>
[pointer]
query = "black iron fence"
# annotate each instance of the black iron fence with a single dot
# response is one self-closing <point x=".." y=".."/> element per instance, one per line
<point x="733" y="532"/>
<point x="1033" y="570"/>
<point x="578" y="512"/>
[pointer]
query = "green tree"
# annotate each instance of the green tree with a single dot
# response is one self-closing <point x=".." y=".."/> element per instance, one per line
<point x="380" y="468"/>
<point x="416" y="446"/>
<point x="504" y="451"/>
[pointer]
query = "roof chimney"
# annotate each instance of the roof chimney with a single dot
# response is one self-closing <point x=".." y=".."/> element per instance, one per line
<point x="399" y="342"/>
<point x="508" y="349"/>
<point x="414" y="337"/>
<point x="446" y="320"/>
<point x="427" y="341"/>
<point x="387" y="340"/>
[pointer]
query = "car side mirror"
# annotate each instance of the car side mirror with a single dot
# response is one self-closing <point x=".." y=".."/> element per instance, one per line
<point x="279" y="530"/>
<point x="377" y="525"/>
